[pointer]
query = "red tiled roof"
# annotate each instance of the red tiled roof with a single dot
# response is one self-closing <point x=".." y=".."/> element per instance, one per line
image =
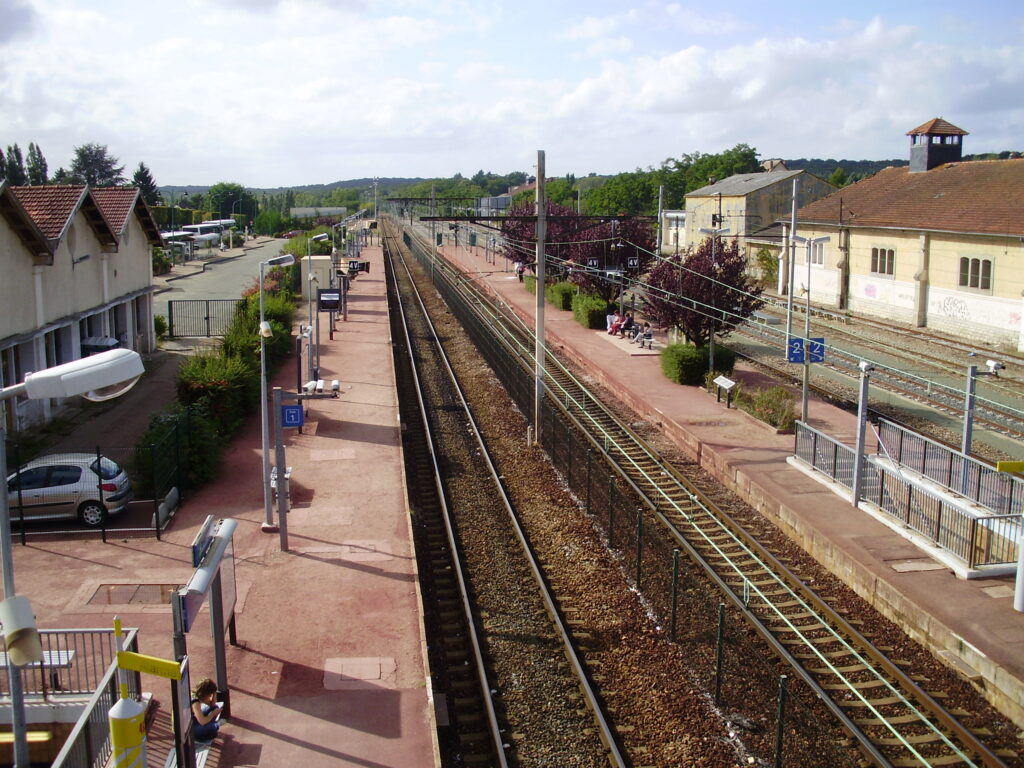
<point x="937" y="127"/>
<point x="117" y="204"/>
<point x="50" y="207"/>
<point x="981" y="196"/>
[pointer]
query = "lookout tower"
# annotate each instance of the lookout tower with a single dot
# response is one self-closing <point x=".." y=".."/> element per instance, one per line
<point x="935" y="143"/>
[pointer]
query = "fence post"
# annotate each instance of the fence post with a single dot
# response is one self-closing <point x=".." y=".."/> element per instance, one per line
<point x="718" y="653"/>
<point x="99" y="492"/>
<point x="780" y="719"/>
<point x="675" y="592"/>
<point x="170" y="319"/>
<point x="639" y="544"/>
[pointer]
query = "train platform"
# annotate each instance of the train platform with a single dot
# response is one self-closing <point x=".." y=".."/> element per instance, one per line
<point x="330" y="667"/>
<point x="970" y="624"/>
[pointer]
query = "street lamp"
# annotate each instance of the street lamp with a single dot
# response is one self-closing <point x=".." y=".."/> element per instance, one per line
<point x="994" y="368"/>
<point x="714" y="268"/>
<point x="97" y="377"/>
<point x="811" y="242"/>
<point x="266" y="332"/>
<point x="311" y="280"/>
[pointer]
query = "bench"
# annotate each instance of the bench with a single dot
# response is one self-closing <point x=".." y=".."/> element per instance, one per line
<point x="202" y="748"/>
<point x="54" y="661"/>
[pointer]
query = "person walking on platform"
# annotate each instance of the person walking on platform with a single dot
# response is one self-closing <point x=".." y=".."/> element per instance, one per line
<point x="520" y="270"/>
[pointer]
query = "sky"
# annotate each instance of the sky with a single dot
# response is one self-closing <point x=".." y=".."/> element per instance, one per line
<point x="269" y="93"/>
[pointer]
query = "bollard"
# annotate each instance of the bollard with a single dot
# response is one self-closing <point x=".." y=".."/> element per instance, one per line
<point x="127" y="720"/>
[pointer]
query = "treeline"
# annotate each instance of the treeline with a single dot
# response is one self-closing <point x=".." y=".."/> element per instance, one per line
<point x="852" y="170"/>
<point x="92" y="164"/>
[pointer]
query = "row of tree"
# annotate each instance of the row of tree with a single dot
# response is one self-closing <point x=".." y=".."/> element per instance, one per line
<point x="92" y="164"/>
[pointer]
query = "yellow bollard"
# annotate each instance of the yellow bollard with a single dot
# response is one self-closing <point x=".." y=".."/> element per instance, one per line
<point x="128" y="734"/>
<point x="127" y="720"/>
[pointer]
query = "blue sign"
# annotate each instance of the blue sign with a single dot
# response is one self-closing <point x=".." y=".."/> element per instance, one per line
<point x="816" y="350"/>
<point x="292" y="416"/>
<point x="795" y="350"/>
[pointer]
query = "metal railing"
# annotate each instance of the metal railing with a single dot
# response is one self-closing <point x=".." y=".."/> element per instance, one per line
<point x="999" y="492"/>
<point x="977" y="540"/>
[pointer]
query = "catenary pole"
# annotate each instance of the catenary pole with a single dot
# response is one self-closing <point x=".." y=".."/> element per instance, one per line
<point x="541" y="209"/>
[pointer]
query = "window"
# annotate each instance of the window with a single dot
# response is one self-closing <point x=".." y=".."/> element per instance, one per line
<point x="817" y="254"/>
<point x="883" y="261"/>
<point x="976" y="273"/>
<point x="64" y="475"/>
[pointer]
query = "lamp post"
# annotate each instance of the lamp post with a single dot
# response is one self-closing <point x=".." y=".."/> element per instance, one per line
<point x="714" y="233"/>
<point x="97" y="377"/>
<point x="994" y="368"/>
<point x="268" y="526"/>
<point x="310" y="281"/>
<point x="810" y="242"/>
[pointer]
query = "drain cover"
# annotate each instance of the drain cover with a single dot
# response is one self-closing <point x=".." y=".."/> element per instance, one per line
<point x="133" y="594"/>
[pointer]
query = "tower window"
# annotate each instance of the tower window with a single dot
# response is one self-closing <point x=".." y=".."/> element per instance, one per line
<point x="883" y="261"/>
<point x="976" y="273"/>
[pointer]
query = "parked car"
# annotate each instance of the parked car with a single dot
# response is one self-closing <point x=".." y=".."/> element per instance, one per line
<point x="68" y="485"/>
<point x="292" y="233"/>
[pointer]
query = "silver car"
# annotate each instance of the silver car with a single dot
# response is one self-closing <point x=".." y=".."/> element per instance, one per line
<point x="68" y="485"/>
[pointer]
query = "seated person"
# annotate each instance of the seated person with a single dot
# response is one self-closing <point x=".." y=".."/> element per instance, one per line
<point x="610" y="319"/>
<point x="205" y="711"/>
<point x="637" y="332"/>
<point x="627" y="325"/>
<point x="616" y="323"/>
<point x="647" y="336"/>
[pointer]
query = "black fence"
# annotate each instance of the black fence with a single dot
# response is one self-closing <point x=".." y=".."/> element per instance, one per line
<point x="101" y="490"/>
<point x="201" y="317"/>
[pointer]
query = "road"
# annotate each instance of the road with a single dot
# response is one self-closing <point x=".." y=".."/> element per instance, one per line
<point x="222" y="279"/>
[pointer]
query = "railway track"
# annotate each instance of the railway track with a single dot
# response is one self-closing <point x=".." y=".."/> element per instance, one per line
<point x="480" y="640"/>
<point x="894" y="720"/>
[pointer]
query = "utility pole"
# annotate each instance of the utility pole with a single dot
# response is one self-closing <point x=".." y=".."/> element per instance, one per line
<point x="790" y="266"/>
<point x="541" y="210"/>
<point x="658" y="231"/>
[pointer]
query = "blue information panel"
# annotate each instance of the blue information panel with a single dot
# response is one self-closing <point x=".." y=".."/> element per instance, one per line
<point x="292" y="416"/>
<point x="795" y="350"/>
<point x="816" y="350"/>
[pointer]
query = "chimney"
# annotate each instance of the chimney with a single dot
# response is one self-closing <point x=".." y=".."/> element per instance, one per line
<point x="935" y="143"/>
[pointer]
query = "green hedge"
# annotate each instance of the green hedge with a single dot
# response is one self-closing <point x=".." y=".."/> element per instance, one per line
<point x="687" y="364"/>
<point x="228" y="385"/>
<point x="530" y="283"/>
<point x="590" y="311"/>
<point x="560" y="295"/>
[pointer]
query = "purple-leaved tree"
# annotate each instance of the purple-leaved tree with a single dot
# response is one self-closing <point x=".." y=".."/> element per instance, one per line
<point x="702" y="289"/>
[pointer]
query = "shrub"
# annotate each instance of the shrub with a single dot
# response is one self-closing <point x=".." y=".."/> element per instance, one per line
<point x="773" y="405"/>
<point x="589" y="311"/>
<point x="161" y="264"/>
<point x="530" y="283"/>
<point x="160" y="326"/>
<point x="560" y="295"/>
<point x="725" y="359"/>
<point x="684" y="363"/>
<point x="198" y="445"/>
<point x="229" y="385"/>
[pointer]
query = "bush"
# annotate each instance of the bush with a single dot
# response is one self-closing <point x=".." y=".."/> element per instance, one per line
<point x="773" y="405"/>
<point x="229" y="385"/>
<point x="160" y="326"/>
<point x="684" y="363"/>
<point x="198" y="444"/>
<point x="560" y="295"/>
<point x="590" y="311"/>
<point x="530" y="283"/>
<point x="161" y="264"/>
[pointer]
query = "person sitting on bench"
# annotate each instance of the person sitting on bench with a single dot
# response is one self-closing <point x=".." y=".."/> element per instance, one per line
<point x="626" y="329"/>
<point x="646" y="336"/>
<point x="205" y="711"/>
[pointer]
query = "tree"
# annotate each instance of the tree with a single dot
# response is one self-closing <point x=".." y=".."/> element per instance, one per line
<point x="702" y="290"/>
<point x="36" y="166"/>
<point x="143" y="179"/>
<point x="14" y="167"/>
<point x="838" y="177"/>
<point x="94" y="166"/>
<point x="624" y="246"/>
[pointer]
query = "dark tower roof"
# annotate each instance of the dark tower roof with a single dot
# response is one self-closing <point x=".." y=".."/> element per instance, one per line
<point x="937" y="127"/>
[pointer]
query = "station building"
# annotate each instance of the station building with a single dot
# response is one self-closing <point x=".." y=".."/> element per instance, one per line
<point x="938" y="244"/>
<point x="77" y="279"/>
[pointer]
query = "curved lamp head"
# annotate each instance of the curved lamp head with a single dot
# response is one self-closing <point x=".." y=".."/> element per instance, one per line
<point x="96" y="377"/>
<point x="265" y="330"/>
<point x="319" y="238"/>
<point x="284" y="260"/>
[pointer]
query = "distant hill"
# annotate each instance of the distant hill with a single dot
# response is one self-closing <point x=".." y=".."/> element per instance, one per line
<point x="383" y="184"/>
<point x="856" y="168"/>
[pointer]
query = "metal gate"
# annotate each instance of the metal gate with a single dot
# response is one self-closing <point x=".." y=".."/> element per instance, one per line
<point x="200" y="317"/>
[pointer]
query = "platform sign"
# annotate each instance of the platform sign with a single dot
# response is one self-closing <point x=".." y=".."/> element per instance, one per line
<point x="795" y="350"/>
<point x="353" y="266"/>
<point x="816" y="350"/>
<point x="592" y="262"/>
<point x="328" y="300"/>
<point x="633" y="262"/>
<point x="292" y="416"/>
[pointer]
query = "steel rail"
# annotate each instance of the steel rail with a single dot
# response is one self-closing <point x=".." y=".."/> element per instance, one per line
<point x="607" y="734"/>
<point x="512" y="333"/>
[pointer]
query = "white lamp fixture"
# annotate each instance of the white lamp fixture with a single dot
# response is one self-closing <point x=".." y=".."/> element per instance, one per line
<point x="97" y="377"/>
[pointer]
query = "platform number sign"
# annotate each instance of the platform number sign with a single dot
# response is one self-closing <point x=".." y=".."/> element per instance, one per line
<point x="816" y="350"/>
<point x="292" y="416"/>
<point x="795" y="350"/>
<point x="632" y="262"/>
<point x="592" y="262"/>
